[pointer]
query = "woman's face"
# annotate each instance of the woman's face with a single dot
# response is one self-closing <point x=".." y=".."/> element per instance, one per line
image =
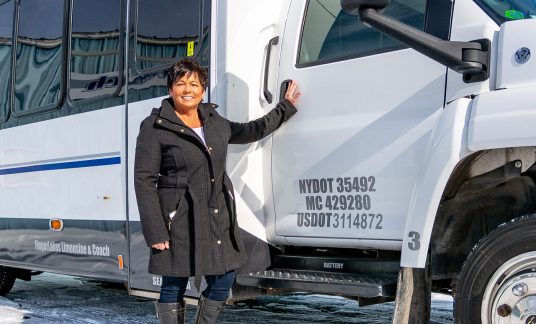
<point x="187" y="92"/>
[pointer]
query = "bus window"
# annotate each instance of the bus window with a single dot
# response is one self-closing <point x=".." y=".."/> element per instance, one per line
<point x="95" y="49"/>
<point x="39" y="54"/>
<point x="167" y="30"/>
<point x="6" y="31"/>
<point x="204" y="52"/>
<point x="329" y="34"/>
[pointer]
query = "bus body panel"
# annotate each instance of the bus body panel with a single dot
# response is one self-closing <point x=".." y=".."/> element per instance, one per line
<point x="70" y="168"/>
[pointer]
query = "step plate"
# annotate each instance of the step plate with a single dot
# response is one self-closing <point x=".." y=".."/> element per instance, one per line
<point x="322" y="282"/>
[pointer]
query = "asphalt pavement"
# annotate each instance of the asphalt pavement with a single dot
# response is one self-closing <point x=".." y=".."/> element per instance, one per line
<point x="51" y="299"/>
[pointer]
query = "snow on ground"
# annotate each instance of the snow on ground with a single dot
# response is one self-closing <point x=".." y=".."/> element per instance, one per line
<point x="51" y="298"/>
<point x="10" y="314"/>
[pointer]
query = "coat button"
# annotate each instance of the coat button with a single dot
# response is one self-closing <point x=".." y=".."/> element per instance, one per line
<point x="182" y="130"/>
<point x="216" y="211"/>
<point x="212" y="180"/>
<point x="210" y="148"/>
<point x="159" y="121"/>
<point x="219" y="242"/>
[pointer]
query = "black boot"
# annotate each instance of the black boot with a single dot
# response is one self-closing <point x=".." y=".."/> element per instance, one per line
<point x="170" y="313"/>
<point x="208" y="310"/>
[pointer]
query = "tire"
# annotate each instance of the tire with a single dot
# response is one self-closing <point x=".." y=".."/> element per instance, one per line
<point x="7" y="279"/>
<point x="502" y="260"/>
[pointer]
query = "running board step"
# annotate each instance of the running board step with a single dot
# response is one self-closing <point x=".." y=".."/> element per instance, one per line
<point x="322" y="282"/>
<point x="337" y="264"/>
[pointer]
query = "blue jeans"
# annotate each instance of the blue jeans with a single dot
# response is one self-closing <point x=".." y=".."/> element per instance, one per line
<point x="173" y="288"/>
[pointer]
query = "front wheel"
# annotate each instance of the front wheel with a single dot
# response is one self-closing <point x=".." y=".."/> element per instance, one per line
<point x="497" y="283"/>
<point x="7" y="279"/>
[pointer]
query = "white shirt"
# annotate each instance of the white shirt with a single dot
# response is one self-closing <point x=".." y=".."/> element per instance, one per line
<point x="199" y="131"/>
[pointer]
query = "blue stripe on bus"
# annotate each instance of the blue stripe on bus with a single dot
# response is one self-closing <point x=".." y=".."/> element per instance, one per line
<point x="63" y="165"/>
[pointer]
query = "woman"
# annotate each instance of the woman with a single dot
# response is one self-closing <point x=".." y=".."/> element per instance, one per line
<point x="185" y="198"/>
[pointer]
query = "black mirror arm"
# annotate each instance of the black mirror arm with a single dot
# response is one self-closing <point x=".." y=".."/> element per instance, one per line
<point x="468" y="58"/>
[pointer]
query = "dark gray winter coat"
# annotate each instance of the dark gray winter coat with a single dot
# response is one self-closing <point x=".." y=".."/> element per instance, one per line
<point x="174" y="170"/>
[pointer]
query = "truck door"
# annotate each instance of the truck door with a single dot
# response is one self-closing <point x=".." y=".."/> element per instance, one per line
<point x="344" y="167"/>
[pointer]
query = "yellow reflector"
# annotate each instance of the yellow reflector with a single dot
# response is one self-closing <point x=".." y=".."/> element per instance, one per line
<point x="120" y="259"/>
<point x="190" y="50"/>
<point x="56" y="224"/>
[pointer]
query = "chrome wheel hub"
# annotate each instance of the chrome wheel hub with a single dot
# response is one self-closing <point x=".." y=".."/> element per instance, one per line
<point x="510" y="295"/>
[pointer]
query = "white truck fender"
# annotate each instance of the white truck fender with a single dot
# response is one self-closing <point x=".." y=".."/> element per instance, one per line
<point x="503" y="118"/>
<point x="446" y="147"/>
<point x="465" y="126"/>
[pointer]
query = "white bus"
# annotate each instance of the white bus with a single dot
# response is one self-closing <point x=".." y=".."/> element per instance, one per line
<point x="77" y="77"/>
<point x="409" y="168"/>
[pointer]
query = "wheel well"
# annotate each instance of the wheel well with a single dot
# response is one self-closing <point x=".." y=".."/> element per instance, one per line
<point x="486" y="189"/>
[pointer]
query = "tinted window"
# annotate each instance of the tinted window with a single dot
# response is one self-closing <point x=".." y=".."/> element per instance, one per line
<point x="330" y="34"/>
<point x="95" y="48"/>
<point x="506" y="10"/>
<point x="6" y="29"/>
<point x="167" y="30"/>
<point x="204" y="51"/>
<point x="38" y="69"/>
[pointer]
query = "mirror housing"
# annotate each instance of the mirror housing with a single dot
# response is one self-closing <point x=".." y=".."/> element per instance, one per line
<point x="352" y="7"/>
<point x="472" y="59"/>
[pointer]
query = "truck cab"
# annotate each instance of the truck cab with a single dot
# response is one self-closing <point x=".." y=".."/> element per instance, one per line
<point x="411" y="158"/>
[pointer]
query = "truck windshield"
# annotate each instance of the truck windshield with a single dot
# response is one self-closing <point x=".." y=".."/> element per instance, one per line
<point x="507" y="10"/>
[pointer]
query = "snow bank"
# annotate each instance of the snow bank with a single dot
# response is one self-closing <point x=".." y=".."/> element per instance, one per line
<point x="11" y="315"/>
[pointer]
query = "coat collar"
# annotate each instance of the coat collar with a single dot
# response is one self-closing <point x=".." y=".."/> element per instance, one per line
<point x="168" y="112"/>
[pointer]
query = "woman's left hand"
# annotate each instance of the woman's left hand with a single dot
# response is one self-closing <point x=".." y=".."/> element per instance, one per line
<point x="161" y="246"/>
<point x="293" y="94"/>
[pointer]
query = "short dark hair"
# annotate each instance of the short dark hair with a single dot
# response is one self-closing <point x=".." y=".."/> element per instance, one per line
<point x="186" y="66"/>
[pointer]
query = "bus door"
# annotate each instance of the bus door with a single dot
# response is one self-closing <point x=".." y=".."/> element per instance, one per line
<point x="344" y="167"/>
<point x="163" y="32"/>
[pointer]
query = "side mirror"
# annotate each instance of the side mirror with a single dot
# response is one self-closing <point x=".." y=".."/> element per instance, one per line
<point x="353" y="7"/>
<point x="472" y="59"/>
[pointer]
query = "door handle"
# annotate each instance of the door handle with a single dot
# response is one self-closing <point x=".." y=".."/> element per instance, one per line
<point x="284" y="87"/>
<point x="267" y="94"/>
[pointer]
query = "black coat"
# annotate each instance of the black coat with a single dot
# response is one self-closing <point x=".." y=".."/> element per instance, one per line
<point x="174" y="170"/>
